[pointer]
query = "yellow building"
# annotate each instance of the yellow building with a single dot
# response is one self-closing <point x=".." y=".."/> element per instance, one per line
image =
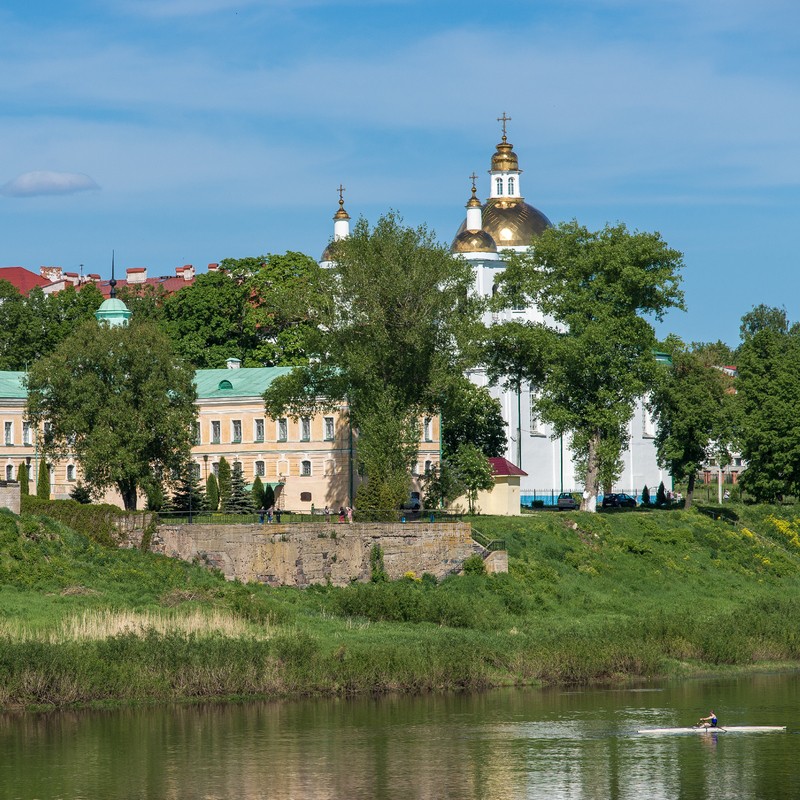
<point x="309" y="462"/>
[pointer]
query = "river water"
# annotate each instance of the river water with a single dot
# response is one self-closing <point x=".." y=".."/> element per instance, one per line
<point x="505" y="744"/>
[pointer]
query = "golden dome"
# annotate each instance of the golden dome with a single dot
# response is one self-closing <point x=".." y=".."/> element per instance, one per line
<point x="329" y="254"/>
<point x="505" y="159"/>
<point x="510" y="222"/>
<point x="473" y="242"/>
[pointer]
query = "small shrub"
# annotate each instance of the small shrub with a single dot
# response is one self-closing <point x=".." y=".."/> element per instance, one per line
<point x="474" y="565"/>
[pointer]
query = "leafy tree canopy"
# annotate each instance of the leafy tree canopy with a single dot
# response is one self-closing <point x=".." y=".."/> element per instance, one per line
<point x="120" y="400"/>
<point x="692" y="411"/>
<point x="768" y="396"/>
<point x="393" y="323"/>
<point x="471" y="415"/>
<point x="590" y="357"/>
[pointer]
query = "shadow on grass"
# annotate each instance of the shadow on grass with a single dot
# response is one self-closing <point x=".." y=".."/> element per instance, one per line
<point x="718" y="512"/>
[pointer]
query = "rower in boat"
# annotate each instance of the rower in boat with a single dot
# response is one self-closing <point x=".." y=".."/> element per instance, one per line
<point x="708" y="722"/>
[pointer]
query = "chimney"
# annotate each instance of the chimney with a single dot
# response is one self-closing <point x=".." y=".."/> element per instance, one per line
<point x="136" y="274"/>
<point x="186" y="272"/>
<point x="73" y="278"/>
<point x="213" y="267"/>
<point x="51" y="273"/>
<point x="233" y="363"/>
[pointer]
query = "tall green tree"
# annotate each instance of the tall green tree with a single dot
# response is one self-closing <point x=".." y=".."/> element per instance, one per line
<point x="224" y="483"/>
<point x="768" y="396"/>
<point x="590" y="357"/>
<point x="188" y="494"/>
<point x="284" y="291"/>
<point x="120" y="400"/>
<point x="212" y="492"/>
<point x="209" y="321"/>
<point x="240" y="500"/>
<point x="23" y="478"/>
<point x="471" y="415"/>
<point x="693" y="419"/>
<point x="43" y="480"/>
<point x="34" y="325"/>
<point x="394" y="321"/>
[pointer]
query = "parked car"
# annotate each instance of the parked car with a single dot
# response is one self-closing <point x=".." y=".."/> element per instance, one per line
<point x="566" y="502"/>
<point x="618" y="500"/>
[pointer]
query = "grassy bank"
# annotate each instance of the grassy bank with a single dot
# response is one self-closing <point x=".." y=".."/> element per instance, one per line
<point x="588" y="597"/>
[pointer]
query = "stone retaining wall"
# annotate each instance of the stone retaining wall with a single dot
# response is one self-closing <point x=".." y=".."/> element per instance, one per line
<point x="10" y="495"/>
<point x="302" y="554"/>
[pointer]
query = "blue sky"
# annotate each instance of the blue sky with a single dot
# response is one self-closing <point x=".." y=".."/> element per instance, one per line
<point x="187" y="131"/>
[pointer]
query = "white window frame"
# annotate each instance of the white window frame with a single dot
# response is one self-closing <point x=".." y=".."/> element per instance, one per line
<point x="70" y="472"/>
<point x="282" y="429"/>
<point x="8" y="433"/>
<point x="216" y="431"/>
<point x="27" y="433"/>
<point x="306" y="472"/>
<point x="305" y="429"/>
<point x="258" y="430"/>
<point x="329" y="424"/>
<point x="259" y="469"/>
<point x="236" y="431"/>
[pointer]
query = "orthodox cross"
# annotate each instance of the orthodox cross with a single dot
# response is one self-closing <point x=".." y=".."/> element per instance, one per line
<point x="341" y="193"/>
<point x="473" y="178"/>
<point x="504" y="119"/>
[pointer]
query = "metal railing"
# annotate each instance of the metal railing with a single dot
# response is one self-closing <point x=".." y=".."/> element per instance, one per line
<point x="291" y="517"/>
<point x="490" y="545"/>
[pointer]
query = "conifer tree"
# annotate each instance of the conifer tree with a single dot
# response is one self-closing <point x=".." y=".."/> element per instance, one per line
<point x="189" y="494"/>
<point x="240" y="500"/>
<point x="43" y="480"/>
<point x="258" y="493"/>
<point x="212" y="492"/>
<point x="645" y="496"/>
<point x="22" y="477"/>
<point x="224" y="483"/>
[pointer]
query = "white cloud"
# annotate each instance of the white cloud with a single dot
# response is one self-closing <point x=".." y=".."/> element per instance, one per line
<point x="39" y="182"/>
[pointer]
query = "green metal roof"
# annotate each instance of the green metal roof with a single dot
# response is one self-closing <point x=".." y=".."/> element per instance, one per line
<point x="245" y="382"/>
<point x="242" y="382"/>
<point x="11" y="385"/>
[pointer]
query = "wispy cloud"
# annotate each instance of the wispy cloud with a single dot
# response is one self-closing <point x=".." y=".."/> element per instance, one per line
<point x="45" y="182"/>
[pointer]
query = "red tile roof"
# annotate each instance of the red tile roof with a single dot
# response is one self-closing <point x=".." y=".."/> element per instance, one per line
<point x="170" y="284"/>
<point x="502" y="466"/>
<point x="23" y="279"/>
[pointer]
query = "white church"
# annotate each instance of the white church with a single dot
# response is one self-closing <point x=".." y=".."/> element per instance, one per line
<point x="505" y="222"/>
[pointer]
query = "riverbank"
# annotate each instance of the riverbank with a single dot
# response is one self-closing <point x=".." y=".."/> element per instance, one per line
<point x="588" y="598"/>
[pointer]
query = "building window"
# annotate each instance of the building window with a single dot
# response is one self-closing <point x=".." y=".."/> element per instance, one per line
<point x="499" y="183"/>
<point x="198" y="436"/>
<point x="259" y="469"/>
<point x="215" y="432"/>
<point x="215" y="469"/>
<point x="196" y="471"/>
<point x="259" y="430"/>
<point x="70" y="472"/>
<point x="236" y="431"/>
<point x="534" y="421"/>
<point x="427" y="429"/>
<point x="283" y="429"/>
<point x="9" y="472"/>
<point x="648" y="428"/>
<point x="305" y="497"/>
<point x="511" y="186"/>
<point x="428" y="467"/>
<point x="9" y="433"/>
<point x="329" y="429"/>
<point x="27" y="433"/>
<point x="305" y="429"/>
<point x="305" y="468"/>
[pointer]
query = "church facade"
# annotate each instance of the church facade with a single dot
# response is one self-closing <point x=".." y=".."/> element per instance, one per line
<point x="506" y="222"/>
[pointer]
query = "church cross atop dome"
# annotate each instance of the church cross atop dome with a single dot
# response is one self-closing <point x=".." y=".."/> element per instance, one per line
<point x="504" y="119"/>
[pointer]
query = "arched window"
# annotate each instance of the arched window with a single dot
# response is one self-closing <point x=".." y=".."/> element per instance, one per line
<point x="499" y="183"/>
<point x="305" y="468"/>
<point x="428" y="466"/>
<point x="9" y="472"/>
<point x="70" y="472"/>
<point x="225" y="384"/>
<point x="511" y="186"/>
